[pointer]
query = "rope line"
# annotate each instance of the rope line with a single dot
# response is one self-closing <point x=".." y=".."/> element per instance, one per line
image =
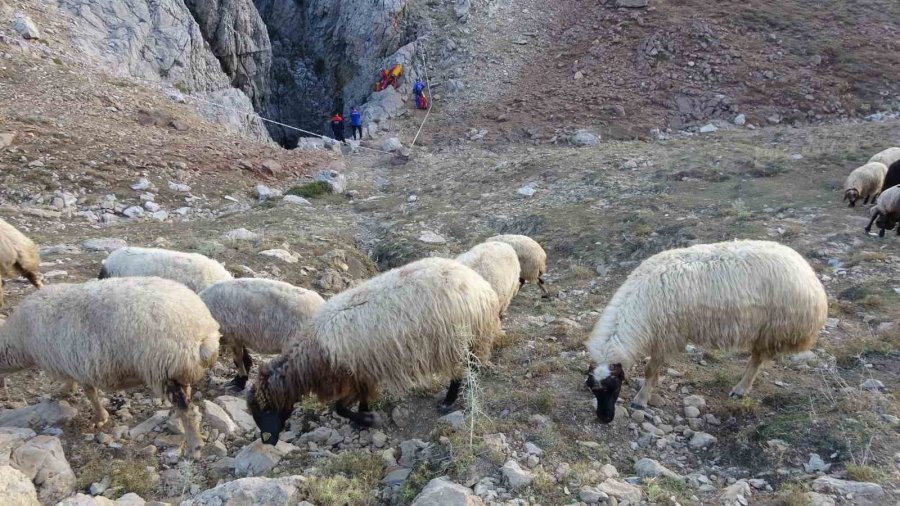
<point x="285" y="125"/>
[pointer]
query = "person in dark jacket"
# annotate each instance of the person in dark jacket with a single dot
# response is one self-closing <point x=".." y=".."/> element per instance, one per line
<point x="337" y="126"/>
<point x="355" y="122"/>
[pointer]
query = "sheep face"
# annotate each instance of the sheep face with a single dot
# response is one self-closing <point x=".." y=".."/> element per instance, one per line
<point x="606" y="382"/>
<point x="270" y="421"/>
<point x="852" y="195"/>
<point x="885" y="222"/>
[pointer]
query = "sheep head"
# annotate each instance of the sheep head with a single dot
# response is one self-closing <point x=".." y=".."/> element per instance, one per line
<point x="267" y="413"/>
<point x="851" y="194"/>
<point x="605" y="381"/>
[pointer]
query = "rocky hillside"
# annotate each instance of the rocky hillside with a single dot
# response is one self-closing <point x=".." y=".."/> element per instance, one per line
<point x="103" y="143"/>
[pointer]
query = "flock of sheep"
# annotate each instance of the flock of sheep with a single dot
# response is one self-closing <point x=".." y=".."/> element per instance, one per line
<point x="878" y="181"/>
<point x="156" y="317"/>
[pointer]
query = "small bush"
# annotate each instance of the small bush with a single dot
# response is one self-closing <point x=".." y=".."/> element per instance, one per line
<point x="311" y="190"/>
<point x="127" y="475"/>
<point x="857" y="472"/>
<point x="793" y="494"/>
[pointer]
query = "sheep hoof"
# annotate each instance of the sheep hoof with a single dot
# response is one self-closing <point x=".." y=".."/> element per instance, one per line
<point x="736" y="394"/>
<point x="445" y="409"/>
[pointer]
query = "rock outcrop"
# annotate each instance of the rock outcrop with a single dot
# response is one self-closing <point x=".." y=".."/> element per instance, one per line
<point x="160" y="42"/>
<point x="240" y="41"/>
<point x="327" y="54"/>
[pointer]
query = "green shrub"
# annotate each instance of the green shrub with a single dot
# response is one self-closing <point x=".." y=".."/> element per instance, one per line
<point x="311" y="190"/>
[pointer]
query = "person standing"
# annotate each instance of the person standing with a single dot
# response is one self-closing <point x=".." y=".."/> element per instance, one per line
<point x="337" y="126"/>
<point x="355" y="122"/>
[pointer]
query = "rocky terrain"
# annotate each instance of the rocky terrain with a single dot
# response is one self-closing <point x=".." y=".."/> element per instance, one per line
<point x="94" y="156"/>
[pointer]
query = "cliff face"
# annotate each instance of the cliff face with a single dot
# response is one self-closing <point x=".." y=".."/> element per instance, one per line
<point x="327" y="54"/>
<point x="160" y="41"/>
<point x="238" y="38"/>
<point x="291" y="61"/>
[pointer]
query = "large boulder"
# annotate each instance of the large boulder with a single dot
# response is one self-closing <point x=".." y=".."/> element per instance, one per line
<point x="16" y="489"/>
<point x="284" y="491"/>
<point x="43" y="461"/>
<point x="441" y="492"/>
<point x="858" y="489"/>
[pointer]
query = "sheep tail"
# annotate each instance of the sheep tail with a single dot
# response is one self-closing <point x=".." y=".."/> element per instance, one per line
<point x="209" y="350"/>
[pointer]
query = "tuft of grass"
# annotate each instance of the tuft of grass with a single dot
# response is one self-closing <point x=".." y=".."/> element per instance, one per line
<point x="359" y="465"/>
<point x="336" y="490"/>
<point x="665" y="490"/>
<point x="347" y="479"/>
<point x="543" y="401"/>
<point x="872" y="295"/>
<point x="744" y="406"/>
<point x="126" y="475"/>
<point x="418" y="478"/>
<point x="857" y="472"/>
<point x="310" y="190"/>
<point x="860" y="257"/>
<point x="793" y="494"/>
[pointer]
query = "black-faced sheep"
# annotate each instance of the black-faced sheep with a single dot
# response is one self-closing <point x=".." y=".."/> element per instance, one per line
<point x="115" y="334"/>
<point x="262" y="315"/>
<point x="498" y="264"/>
<point x="886" y="213"/>
<point x="742" y="295"/>
<point x="892" y="178"/>
<point x="532" y="258"/>
<point x="864" y="182"/>
<point x="193" y="270"/>
<point x="396" y="331"/>
<point x="18" y="257"/>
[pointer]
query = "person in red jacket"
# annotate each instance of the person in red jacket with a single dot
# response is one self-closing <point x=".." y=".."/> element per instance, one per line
<point x="337" y="126"/>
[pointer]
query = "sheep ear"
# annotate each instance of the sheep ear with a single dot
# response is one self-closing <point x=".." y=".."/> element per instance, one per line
<point x="591" y="367"/>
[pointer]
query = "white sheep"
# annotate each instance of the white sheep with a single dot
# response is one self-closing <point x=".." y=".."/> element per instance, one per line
<point x="865" y="182"/>
<point x="498" y="264"/>
<point x="742" y="295"/>
<point x="18" y="257"/>
<point x="190" y="269"/>
<point x="263" y="315"/>
<point x="888" y="157"/>
<point x="116" y="334"/>
<point x="532" y="258"/>
<point x="396" y="331"/>
<point x="886" y="213"/>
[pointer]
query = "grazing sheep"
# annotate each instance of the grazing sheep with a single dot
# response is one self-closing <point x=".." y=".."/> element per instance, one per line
<point x="886" y="213"/>
<point x="892" y="178"/>
<point x="191" y="269"/>
<point x="396" y="331"/>
<point x="498" y="264"/>
<point x="755" y="295"/>
<point x="115" y="334"/>
<point x="260" y="314"/>
<point x="865" y="181"/>
<point x="18" y="257"/>
<point x="532" y="258"/>
<point x="888" y="157"/>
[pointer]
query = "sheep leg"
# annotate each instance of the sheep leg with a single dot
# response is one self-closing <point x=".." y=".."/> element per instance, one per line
<point x="101" y="416"/>
<point x="243" y="363"/>
<point x="361" y="419"/>
<point x="180" y="396"/>
<point x="875" y="216"/>
<point x="544" y="292"/>
<point x="34" y="278"/>
<point x="367" y="395"/>
<point x="881" y="233"/>
<point x="746" y="383"/>
<point x="452" y="395"/>
<point x="651" y="378"/>
<point x="1" y="292"/>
